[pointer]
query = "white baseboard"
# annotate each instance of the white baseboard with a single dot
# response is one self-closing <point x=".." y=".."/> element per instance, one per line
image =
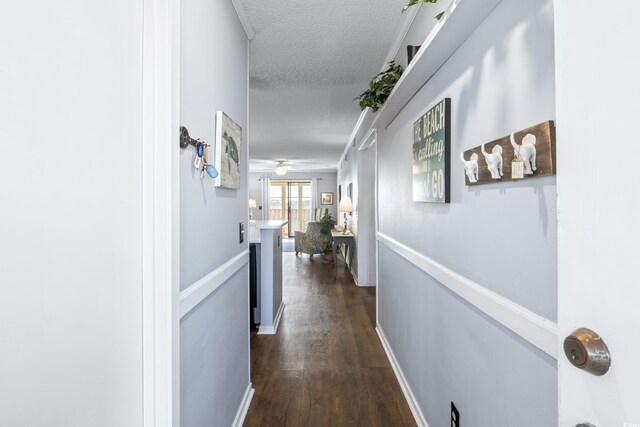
<point x="354" y="276"/>
<point x="244" y="407"/>
<point x="271" y="330"/>
<point x="404" y="385"/>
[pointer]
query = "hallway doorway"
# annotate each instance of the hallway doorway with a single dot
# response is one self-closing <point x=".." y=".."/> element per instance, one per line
<point x="291" y="201"/>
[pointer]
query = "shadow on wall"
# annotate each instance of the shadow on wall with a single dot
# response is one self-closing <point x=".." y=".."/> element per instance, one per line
<point x="466" y="105"/>
<point x="537" y="185"/>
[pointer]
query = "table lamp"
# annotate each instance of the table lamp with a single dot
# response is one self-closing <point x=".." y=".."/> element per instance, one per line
<point x="252" y="206"/>
<point x="345" y="206"/>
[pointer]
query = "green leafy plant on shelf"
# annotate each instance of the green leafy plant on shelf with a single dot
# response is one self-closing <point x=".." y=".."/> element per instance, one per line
<point x="380" y="87"/>
<point x="327" y="222"/>
<point x="415" y="2"/>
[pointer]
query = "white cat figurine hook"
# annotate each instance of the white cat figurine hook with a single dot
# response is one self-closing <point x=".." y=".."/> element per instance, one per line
<point x="471" y="167"/>
<point x="494" y="160"/>
<point x="526" y="152"/>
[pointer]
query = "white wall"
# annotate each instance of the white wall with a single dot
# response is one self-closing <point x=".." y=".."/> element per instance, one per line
<point x="70" y="221"/>
<point x="326" y="183"/>
<point x="357" y="167"/>
<point x="214" y="345"/>
<point x="500" y="80"/>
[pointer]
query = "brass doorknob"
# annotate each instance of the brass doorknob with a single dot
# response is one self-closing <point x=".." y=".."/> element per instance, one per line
<point x="586" y="350"/>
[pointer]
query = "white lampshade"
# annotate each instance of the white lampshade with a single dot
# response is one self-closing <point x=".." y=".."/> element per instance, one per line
<point x="252" y="203"/>
<point x="345" y="205"/>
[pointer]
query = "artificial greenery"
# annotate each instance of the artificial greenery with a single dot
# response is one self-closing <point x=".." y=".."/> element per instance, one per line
<point x="415" y="2"/>
<point x="380" y="87"/>
<point x="327" y="222"/>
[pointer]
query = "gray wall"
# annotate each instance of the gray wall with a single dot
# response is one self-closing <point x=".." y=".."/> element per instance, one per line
<point x="500" y="80"/>
<point x="214" y="347"/>
<point x="327" y="183"/>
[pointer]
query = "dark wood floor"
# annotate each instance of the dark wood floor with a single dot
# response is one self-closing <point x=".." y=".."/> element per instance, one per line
<point x="325" y="366"/>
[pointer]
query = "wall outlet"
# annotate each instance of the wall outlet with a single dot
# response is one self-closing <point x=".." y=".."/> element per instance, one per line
<point x="455" y="416"/>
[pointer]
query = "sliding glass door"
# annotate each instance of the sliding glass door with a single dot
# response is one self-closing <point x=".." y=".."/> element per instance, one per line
<point x="290" y="201"/>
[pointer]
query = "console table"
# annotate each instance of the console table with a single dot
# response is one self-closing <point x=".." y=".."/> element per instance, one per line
<point x="349" y="245"/>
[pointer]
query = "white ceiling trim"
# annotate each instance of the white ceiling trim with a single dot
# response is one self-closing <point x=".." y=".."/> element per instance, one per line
<point x="244" y="19"/>
<point x="393" y="51"/>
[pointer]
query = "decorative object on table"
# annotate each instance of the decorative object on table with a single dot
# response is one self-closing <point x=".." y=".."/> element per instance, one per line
<point x="431" y="153"/>
<point x="252" y="206"/>
<point x="494" y="160"/>
<point x="345" y="206"/>
<point x="313" y="241"/>
<point x="380" y="87"/>
<point x="526" y="152"/>
<point x="470" y="167"/>
<point x="537" y="145"/>
<point x="281" y="169"/>
<point x="201" y="160"/>
<point x="326" y="198"/>
<point x="411" y="52"/>
<point x="228" y="151"/>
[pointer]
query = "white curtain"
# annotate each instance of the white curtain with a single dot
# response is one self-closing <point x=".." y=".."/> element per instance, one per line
<point x="266" y="183"/>
<point x="314" y="198"/>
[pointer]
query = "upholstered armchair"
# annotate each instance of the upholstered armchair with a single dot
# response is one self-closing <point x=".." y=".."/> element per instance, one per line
<point x="312" y="241"/>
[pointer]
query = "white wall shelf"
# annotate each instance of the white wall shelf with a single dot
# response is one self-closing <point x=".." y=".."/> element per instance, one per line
<point x="459" y="22"/>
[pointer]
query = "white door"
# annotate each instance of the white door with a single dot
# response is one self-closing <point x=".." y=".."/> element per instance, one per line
<point x="598" y="88"/>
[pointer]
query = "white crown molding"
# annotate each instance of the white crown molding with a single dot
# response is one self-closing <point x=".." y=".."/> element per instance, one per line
<point x="537" y="330"/>
<point x="244" y="18"/>
<point x="196" y="293"/>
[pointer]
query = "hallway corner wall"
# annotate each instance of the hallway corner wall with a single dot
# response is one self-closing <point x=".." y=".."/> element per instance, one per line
<point x="357" y="168"/>
<point x="214" y="335"/>
<point x="502" y="236"/>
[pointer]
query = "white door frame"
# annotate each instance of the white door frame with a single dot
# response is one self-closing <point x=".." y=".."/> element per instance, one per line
<point x="161" y="212"/>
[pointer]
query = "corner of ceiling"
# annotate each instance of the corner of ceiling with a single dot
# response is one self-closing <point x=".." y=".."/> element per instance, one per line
<point x="244" y="18"/>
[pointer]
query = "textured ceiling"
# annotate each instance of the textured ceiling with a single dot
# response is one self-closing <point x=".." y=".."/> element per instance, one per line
<point x="308" y="61"/>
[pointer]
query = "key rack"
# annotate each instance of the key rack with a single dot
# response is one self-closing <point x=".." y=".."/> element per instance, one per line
<point x="201" y="162"/>
<point x="186" y="140"/>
